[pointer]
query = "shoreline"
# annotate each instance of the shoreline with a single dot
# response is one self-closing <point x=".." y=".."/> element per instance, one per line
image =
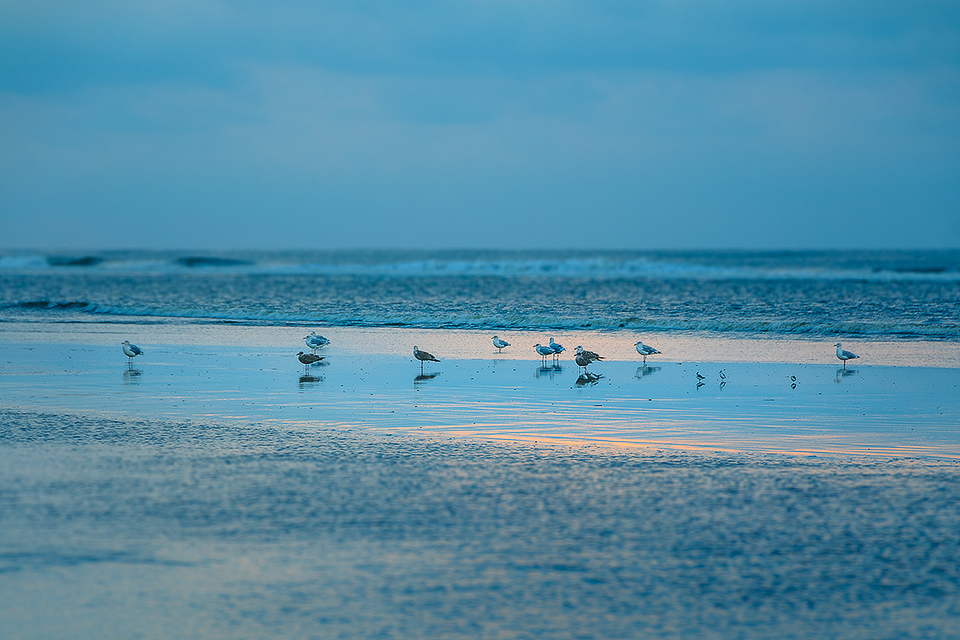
<point x="364" y="383"/>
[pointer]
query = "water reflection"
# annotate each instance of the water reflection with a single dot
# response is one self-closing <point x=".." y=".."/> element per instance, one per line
<point x="423" y="377"/>
<point x="844" y="373"/>
<point x="643" y="371"/>
<point x="549" y="371"/>
<point x="307" y="380"/>
<point x="588" y="378"/>
<point x="132" y="376"/>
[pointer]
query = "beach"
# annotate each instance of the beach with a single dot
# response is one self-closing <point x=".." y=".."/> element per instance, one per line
<point x="743" y="483"/>
<point x="215" y="489"/>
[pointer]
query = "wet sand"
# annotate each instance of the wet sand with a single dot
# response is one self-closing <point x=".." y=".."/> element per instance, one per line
<point x="189" y="529"/>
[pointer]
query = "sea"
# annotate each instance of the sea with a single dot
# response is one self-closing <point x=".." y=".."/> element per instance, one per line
<point x="863" y="295"/>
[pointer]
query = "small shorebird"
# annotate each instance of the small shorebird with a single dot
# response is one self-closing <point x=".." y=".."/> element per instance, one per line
<point x="315" y="341"/>
<point x="557" y="348"/>
<point x="543" y="351"/>
<point x="589" y="356"/>
<point x="500" y="344"/>
<point x="845" y="355"/>
<point x="131" y="351"/>
<point x="423" y="356"/>
<point x="645" y="350"/>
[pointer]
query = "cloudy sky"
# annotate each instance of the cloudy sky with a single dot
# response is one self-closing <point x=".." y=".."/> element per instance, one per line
<point x="523" y="124"/>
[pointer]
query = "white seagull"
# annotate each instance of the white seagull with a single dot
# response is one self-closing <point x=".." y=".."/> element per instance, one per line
<point x="500" y="344"/>
<point x="557" y="348"/>
<point x="423" y="356"/>
<point x="543" y="351"/>
<point x="315" y="341"/>
<point x="130" y="350"/>
<point x="645" y="350"/>
<point x="845" y="355"/>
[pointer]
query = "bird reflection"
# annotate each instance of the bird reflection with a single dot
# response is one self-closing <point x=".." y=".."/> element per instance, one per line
<point x="306" y="380"/>
<point x="549" y="370"/>
<point x="423" y="377"/>
<point x="844" y="373"/>
<point x="588" y="378"/>
<point x="644" y="370"/>
<point x="132" y="376"/>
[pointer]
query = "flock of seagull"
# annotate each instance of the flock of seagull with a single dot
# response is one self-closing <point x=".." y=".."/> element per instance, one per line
<point x="582" y="357"/>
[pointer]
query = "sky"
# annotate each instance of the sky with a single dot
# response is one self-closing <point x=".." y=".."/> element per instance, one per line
<point x="479" y="124"/>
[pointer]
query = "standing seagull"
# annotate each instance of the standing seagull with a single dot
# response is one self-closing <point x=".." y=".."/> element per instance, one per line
<point x="645" y="350"/>
<point x="423" y="356"/>
<point x="500" y="344"/>
<point x="557" y="349"/>
<point x="589" y="356"/>
<point x="315" y="341"/>
<point x="307" y="359"/>
<point x="582" y="362"/>
<point x="543" y="351"/>
<point x="845" y="355"/>
<point x="131" y="351"/>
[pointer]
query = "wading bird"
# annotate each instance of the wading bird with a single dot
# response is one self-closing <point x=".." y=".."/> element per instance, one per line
<point x="845" y="355"/>
<point x="307" y="359"/>
<point x="645" y="350"/>
<point x="423" y="356"/>
<point x="131" y="351"/>
<point x="315" y="341"/>
<point x="543" y="351"/>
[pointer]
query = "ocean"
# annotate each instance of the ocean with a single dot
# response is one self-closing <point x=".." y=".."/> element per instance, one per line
<point x="886" y="295"/>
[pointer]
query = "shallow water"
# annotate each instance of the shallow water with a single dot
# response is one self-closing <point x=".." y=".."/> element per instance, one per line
<point x="771" y="406"/>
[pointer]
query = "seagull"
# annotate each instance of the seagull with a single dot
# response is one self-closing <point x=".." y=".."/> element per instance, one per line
<point x="582" y="361"/>
<point x="589" y="356"/>
<point x="308" y="359"/>
<point x="845" y="355"/>
<point x="557" y="348"/>
<point x="500" y="344"/>
<point x="131" y="351"/>
<point x="543" y="351"/>
<point x="423" y="356"/>
<point x="315" y="341"/>
<point x="645" y="350"/>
